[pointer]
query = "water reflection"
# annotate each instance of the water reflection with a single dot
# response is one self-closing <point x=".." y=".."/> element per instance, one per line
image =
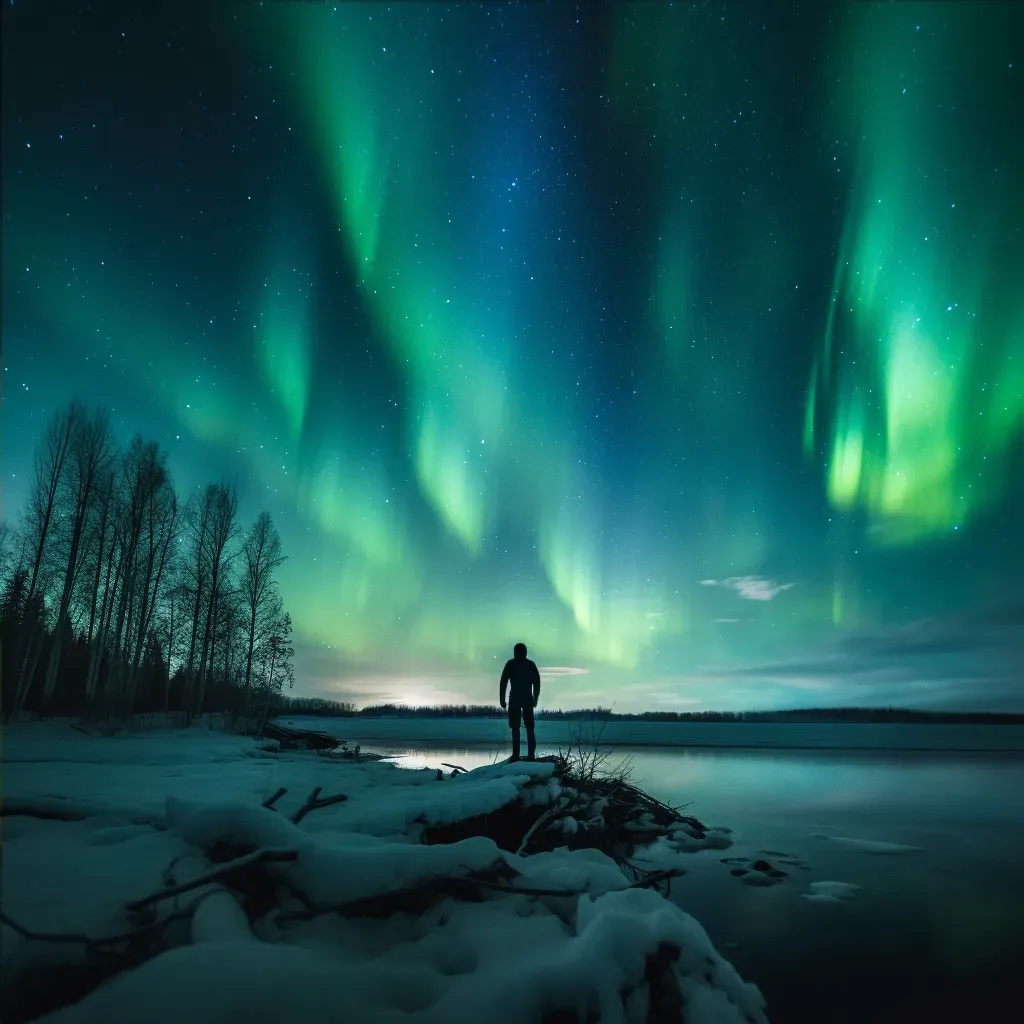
<point x="937" y="930"/>
<point x="743" y="783"/>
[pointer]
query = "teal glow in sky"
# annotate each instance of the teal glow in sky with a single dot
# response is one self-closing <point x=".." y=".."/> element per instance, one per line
<point x="684" y="343"/>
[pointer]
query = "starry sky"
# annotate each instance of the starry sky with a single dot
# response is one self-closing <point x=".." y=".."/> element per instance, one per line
<point x="684" y="343"/>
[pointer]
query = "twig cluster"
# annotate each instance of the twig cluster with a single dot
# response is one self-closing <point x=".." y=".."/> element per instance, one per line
<point x="314" y="802"/>
<point x="601" y="808"/>
<point x="611" y="815"/>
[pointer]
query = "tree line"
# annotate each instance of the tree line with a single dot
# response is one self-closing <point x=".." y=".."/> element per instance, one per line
<point x="116" y="596"/>
<point x="285" y="705"/>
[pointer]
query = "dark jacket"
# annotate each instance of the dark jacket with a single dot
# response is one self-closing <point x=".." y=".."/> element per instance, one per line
<point x="523" y="679"/>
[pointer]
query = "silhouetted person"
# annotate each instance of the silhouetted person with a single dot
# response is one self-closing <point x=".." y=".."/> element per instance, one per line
<point x="523" y="681"/>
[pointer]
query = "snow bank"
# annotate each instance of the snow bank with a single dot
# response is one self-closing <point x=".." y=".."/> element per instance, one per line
<point x="516" y="969"/>
<point x="331" y="868"/>
<point x="504" y="955"/>
<point x="74" y="877"/>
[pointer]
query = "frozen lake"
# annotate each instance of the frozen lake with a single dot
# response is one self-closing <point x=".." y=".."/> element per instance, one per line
<point x="932" y="838"/>
<point x="775" y="735"/>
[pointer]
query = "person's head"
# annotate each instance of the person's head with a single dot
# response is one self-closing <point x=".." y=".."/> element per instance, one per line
<point x="519" y="650"/>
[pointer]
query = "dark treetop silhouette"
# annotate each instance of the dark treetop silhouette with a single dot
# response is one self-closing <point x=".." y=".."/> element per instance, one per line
<point x="522" y="679"/>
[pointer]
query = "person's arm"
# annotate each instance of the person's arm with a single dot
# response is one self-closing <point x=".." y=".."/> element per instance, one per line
<point x="536" y="684"/>
<point x="503" y="686"/>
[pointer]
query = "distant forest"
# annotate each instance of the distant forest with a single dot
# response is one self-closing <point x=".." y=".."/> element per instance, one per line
<point x="287" y="705"/>
<point x="118" y="595"/>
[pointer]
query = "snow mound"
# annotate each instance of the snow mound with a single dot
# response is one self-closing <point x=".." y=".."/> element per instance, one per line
<point x="524" y="969"/>
<point x="572" y="871"/>
<point x="346" y="915"/>
<point x="331" y="867"/>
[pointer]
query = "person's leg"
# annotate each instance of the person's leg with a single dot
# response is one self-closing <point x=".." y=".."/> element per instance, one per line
<point x="513" y="724"/>
<point x="531" y="739"/>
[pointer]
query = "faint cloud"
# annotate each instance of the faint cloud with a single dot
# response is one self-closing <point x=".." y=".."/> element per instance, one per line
<point x="752" y="588"/>
<point x="564" y="670"/>
<point x="727" y="620"/>
<point x="965" y="661"/>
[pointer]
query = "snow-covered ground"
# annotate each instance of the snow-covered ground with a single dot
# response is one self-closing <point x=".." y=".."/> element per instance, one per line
<point x="773" y="735"/>
<point x="94" y="824"/>
<point x="912" y="860"/>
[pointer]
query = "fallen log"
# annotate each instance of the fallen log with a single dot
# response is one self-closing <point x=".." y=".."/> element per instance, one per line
<point x="300" y="739"/>
<point x="214" y="875"/>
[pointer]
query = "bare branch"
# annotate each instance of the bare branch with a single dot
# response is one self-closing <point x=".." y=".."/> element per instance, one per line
<point x="270" y="801"/>
<point x="314" y="802"/>
<point x="553" y="812"/>
<point x="215" y="874"/>
<point x="168" y="873"/>
<point x="103" y="943"/>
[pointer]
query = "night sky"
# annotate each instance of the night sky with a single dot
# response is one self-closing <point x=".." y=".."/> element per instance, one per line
<point x="683" y="343"/>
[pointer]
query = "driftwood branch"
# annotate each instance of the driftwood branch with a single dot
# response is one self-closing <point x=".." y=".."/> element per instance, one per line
<point x="454" y="767"/>
<point x="270" y="801"/>
<point x="562" y="806"/>
<point x="103" y="943"/>
<point x="168" y="872"/>
<point x="48" y="808"/>
<point x="314" y="802"/>
<point x="72" y="937"/>
<point x="214" y="875"/>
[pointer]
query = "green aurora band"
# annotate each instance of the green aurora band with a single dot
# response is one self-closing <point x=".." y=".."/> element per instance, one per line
<point x="537" y="337"/>
<point x="919" y="390"/>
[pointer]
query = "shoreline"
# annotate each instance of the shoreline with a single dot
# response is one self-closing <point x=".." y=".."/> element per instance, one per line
<point x="853" y="736"/>
<point x="202" y="891"/>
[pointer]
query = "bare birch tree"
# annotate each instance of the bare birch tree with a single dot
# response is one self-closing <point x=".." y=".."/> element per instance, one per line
<point x="89" y="455"/>
<point x="98" y="544"/>
<point x="144" y="475"/>
<point x="223" y="529"/>
<point x="109" y="585"/>
<point x="6" y="551"/>
<point x="98" y="647"/>
<point x="261" y="555"/>
<point x="160" y="533"/>
<point x="199" y="513"/>
<point x="279" y="654"/>
<point x="48" y="473"/>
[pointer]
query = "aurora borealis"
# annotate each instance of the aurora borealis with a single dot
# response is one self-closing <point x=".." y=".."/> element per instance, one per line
<point x="683" y="342"/>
